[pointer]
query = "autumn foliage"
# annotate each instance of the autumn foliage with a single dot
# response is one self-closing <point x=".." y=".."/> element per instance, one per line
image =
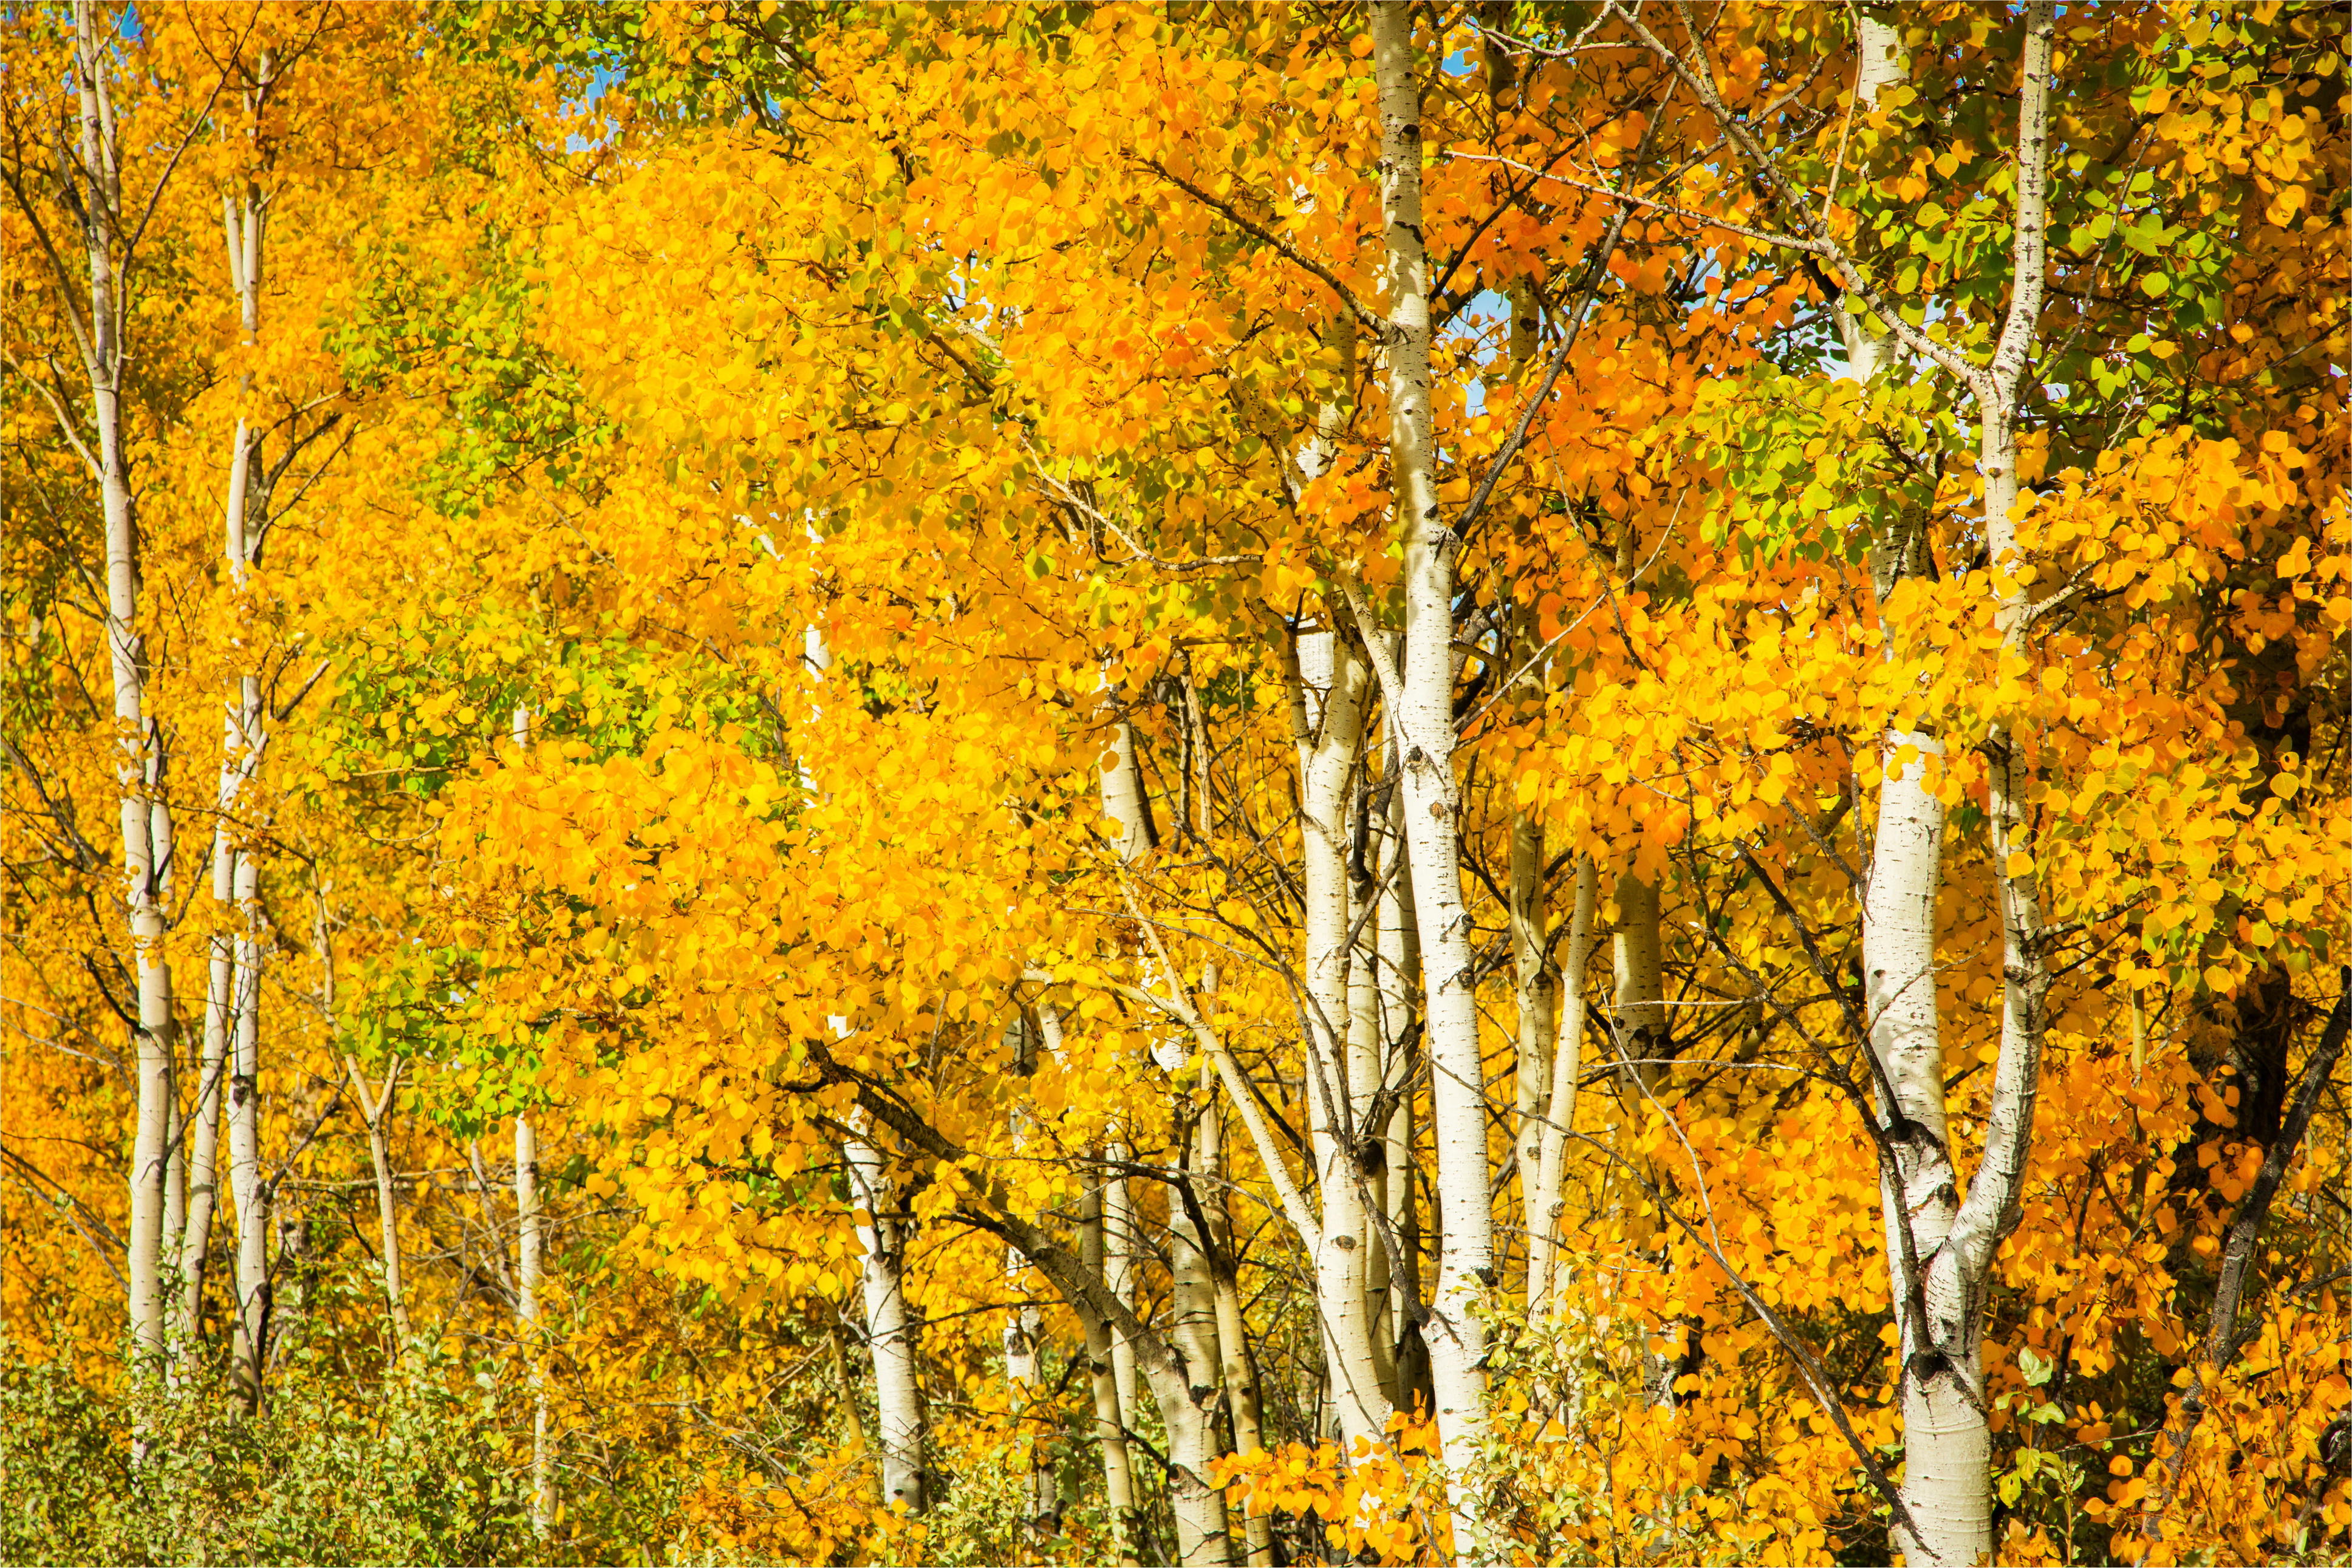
<point x="1487" y="782"/>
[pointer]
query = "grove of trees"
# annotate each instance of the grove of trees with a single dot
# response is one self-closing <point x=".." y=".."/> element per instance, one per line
<point x="1537" y="781"/>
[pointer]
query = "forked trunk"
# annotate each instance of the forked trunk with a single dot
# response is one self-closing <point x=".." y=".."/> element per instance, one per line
<point x="139" y="760"/>
<point x="1948" y="1480"/>
<point x="1327" y="708"/>
<point x="1422" y="714"/>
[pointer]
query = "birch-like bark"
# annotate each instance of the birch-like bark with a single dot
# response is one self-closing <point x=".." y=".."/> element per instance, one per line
<point x="1534" y="996"/>
<point x="175" y="1207"/>
<point x="94" y="173"/>
<point x="1110" y="1430"/>
<point x="1421" y="700"/>
<point x="375" y="1110"/>
<point x="193" y="1251"/>
<point x="1367" y="1056"/>
<point x="1327" y="708"/>
<point x="1533" y="991"/>
<point x="1242" y="1397"/>
<point x="1025" y="1330"/>
<point x="889" y="1330"/>
<point x="882" y="1233"/>
<point x="1400" y="1002"/>
<point x="225" y="1000"/>
<point x="1640" y="1027"/>
<point x="1882" y="63"/>
<point x="247" y="1191"/>
<point x="1201" y="1540"/>
<point x="1123" y="796"/>
<point x="236" y="870"/>
<point x="1373" y="1057"/>
<point x="1125" y="802"/>
<point x="1193" y="1287"/>
<point x="1544" y="1267"/>
<point x="1110" y="1425"/>
<point x="1946" y="1481"/>
<point x="1119" y="1248"/>
<point x="531" y="1253"/>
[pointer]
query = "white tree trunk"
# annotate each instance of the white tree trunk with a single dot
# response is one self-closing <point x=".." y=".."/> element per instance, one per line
<point x="193" y="1249"/>
<point x="1532" y="993"/>
<point x="1025" y="1330"/>
<point x="1128" y="805"/>
<point x="1201" y="1540"/>
<point x="247" y="1191"/>
<point x="1192" y="1286"/>
<point x="1544" y="1267"/>
<point x="1329" y="711"/>
<point x="1123" y="796"/>
<point x="375" y="1111"/>
<point x="1883" y="63"/>
<point x="889" y="1331"/>
<point x="1946" y="1477"/>
<point x="139" y="770"/>
<point x="1641" y="1002"/>
<point x="1240" y="1368"/>
<point x="1110" y="1424"/>
<point x="1399" y="999"/>
<point x="1120" y="1245"/>
<point x="531" y="1254"/>
<point x="1423" y="715"/>
<point x="236" y="870"/>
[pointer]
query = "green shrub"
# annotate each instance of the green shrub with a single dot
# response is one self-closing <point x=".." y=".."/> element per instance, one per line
<point x="414" y="1469"/>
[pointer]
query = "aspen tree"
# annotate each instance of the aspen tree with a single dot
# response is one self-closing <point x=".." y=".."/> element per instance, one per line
<point x="375" y="1111"/>
<point x="1544" y="1264"/>
<point x="1110" y="1425"/>
<point x="1420" y="698"/>
<point x="1399" y="941"/>
<point x="1328" y="699"/>
<point x="1128" y="805"/>
<point x="889" y="1330"/>
<point x="1025" y="1330"/>
<point x="92" y="291"/>
<point x="1939" y="1242"/>
<point x="1191" y="1278"/>
<point x="235" y="869"/>
<point x="892" y="1331"/>
<point x="1244" y="1400"/>
<point x="1534" y="996"/>
<point x="529" y="1276"/>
